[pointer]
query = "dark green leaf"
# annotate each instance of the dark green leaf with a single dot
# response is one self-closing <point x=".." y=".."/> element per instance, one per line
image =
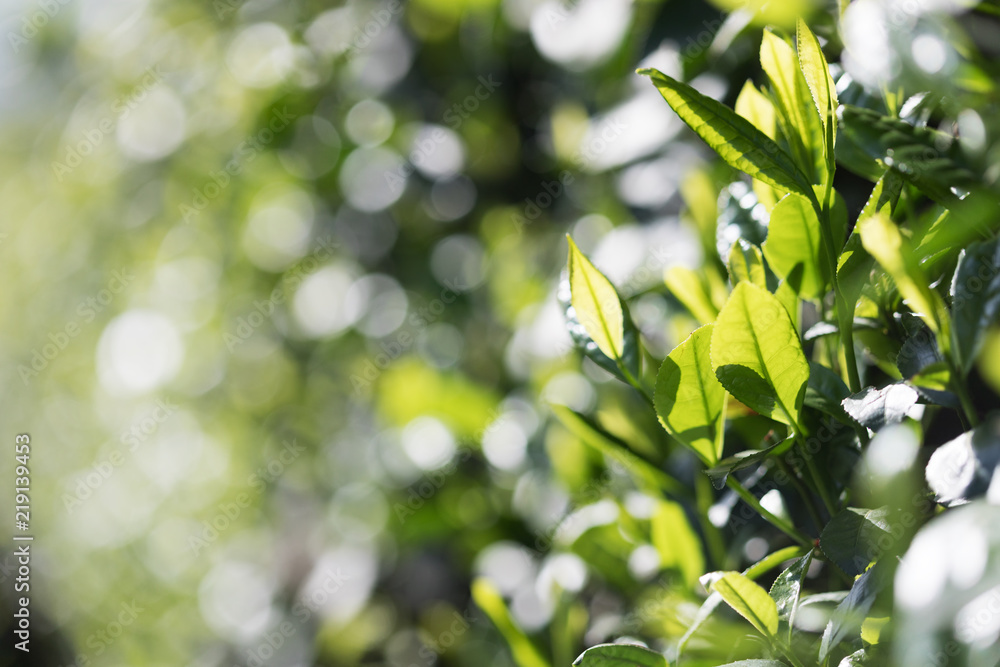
<point x="826" y="391"/>
<point x="975" y="293"/>
<point x="917" y="352"/>
<point x="914" y="152"/>
<point x="741" y="460"/>
<point x="874" y="408"/>
<point x="851" y="539"/>
<point x="850" y="614"/>
<point x="620" y="655"/>
<point x="735" y="139"/>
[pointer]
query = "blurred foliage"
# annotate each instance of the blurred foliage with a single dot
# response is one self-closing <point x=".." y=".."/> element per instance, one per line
<point x="286" y="325"/>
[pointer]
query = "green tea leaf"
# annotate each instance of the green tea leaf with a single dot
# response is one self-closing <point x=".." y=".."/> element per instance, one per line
<point x="975" y="305"/>
<point x="689" y="399"/>
<point x="735" y="139"/>
<point x="757" y="108"/>
<point x="796" y="117"/>
<point x="750" y="601"/>
<point x="741" y="460"/>
<point x="913" y="152"/>
<point x="690" y="289"/>
<point x="874" y="408"/>
<point x="596" y="302"/>
<point x="757" y="356"/>
<point x="851" y="612"/>
<point x="746" y="263"/>
<point x="794" y="247"/>
<point x="620" y="655"/>
<point x="488" y="598"/>
<point x="884" y="242"/>
<point x="786" y="588"/>
<point x="851" y="539"/>
<point x="582" y="340"/>
<point x="826" y="391"/>
<point x="754" y="663"/>
<point x="817" y="75"/>
<point x="675" y="541"/>
<point x="963" y="468"/>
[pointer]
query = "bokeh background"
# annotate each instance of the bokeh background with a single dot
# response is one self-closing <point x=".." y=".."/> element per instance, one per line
<point x="281" y="308"/>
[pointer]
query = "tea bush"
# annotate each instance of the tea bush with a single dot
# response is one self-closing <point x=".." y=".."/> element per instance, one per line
<point x="830" y="410"/>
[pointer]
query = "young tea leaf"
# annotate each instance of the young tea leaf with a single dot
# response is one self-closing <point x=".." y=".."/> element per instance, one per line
<point x="746" y="263"/>
<point x="690" y="289"/>
<point x="749" y="601"/>
<point x="735" y="139"/>
<point x="796" y="111"/>
<point x="596" y="303"/>
<point x="689" y="399"/>
<point x="817" y="75"/>
<point x="794" y="248"/>
<point x="757" y="356"/>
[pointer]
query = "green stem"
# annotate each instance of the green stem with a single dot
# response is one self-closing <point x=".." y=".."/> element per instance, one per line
<point x="786" y="651"/>
<point x="713" y="538"/>
<point x="963" y="394"/>
<point x="635" y="384"/>
<point x="777" y="522"/>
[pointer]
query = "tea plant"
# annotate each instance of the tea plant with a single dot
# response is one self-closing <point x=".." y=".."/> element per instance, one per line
<point x="832" y="354"/>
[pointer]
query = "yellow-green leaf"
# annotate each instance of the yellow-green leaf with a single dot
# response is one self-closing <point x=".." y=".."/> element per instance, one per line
<point x="801" y="127"/>
<point x="794" y="247"/>
<point x="689" y="288"/>
<point x="817" y="75"/>
<point x="596" y="302"/>
<point x="746" y="263"/>
<point x="749" y="601"/>
<point x="689" y="399"/>
<point x="757" y="355"/>
<point x="733" y="137"/>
